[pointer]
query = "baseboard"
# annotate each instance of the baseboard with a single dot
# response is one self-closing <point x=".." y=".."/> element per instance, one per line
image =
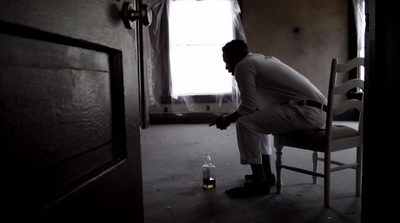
<point x="188" y="118"/>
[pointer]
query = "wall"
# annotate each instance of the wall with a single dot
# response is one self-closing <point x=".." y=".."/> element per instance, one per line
<point x="306" y="34"/>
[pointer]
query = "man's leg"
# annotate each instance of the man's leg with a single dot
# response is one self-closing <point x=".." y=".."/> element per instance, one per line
<point x="258" y="172"/>
<point x="266" y="142"/>
<point x="269" y="176"/>
<point x="256" y="186"/>
<point x="250" y="153"/>
<point x="274" y="120"/>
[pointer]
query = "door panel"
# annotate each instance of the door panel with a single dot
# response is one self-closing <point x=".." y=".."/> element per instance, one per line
<point x="69" y="118"/>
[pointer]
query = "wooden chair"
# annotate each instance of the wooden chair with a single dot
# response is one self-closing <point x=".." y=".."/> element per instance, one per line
<point x="332" y="138"/>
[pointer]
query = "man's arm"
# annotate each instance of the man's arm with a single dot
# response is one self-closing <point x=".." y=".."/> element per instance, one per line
<point x="245" y="79"/>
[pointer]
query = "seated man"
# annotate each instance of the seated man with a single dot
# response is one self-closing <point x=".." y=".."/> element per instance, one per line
<point x="293" y="103"/>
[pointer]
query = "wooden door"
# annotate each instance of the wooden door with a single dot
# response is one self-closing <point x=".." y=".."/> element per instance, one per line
<point x="69" y="113"/>
<point x="381" y="120"/>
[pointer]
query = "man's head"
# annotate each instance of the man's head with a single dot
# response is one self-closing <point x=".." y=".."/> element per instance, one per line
<point x="233" y="52"/>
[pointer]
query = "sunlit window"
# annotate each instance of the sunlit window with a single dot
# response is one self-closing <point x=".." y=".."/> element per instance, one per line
<point x="197" y="32"/>
<point x="359" y="11"/>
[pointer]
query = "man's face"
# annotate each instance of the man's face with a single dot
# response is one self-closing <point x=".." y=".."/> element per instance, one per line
<point x="230" y="62"/>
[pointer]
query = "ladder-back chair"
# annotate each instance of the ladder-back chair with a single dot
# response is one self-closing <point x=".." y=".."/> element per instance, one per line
<point x="333" y="138"/>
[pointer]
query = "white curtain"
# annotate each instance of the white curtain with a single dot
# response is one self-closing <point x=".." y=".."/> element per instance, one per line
<point x="359" y="13"/>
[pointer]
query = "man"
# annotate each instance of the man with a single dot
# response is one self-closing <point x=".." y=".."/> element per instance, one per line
<point x="275" y="99"/>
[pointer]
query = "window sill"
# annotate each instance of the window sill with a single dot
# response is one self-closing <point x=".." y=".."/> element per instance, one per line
<point x="197" y="99"/>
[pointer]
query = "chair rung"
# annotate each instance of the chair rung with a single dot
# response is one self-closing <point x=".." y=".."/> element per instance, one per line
<point x="302" y="171"/>
<point x="345" y="166"/>
<point x="353" y="165"/>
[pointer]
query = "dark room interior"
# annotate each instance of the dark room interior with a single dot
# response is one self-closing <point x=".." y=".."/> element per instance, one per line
<point x="103" y="120"/>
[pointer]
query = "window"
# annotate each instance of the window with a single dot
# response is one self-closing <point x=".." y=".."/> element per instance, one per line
<point x="359" y="12"/>
<point x="197" y="32"/>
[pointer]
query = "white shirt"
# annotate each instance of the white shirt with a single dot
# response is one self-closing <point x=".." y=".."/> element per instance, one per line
<point x="265" y="80"/>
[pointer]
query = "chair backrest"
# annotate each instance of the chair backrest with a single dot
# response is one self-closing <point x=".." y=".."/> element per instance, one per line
<point x="336" y="107"/>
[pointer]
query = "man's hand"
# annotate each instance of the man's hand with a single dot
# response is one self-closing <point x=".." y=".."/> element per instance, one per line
<point x="221" y="122"/>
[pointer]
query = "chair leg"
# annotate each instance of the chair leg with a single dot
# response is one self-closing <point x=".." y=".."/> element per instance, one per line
<point x="358" y="171"/>
<point x="278" y="166"/>
<point x="315" y="166"/>
<point x="327" y="179"/>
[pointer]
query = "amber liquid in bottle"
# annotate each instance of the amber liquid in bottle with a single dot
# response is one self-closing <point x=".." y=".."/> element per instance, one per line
<point x="209" y="183"/>
<point x="208" y="173"/>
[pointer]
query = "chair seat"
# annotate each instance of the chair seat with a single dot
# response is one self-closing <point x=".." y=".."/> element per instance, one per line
<point x="315" y="139"/>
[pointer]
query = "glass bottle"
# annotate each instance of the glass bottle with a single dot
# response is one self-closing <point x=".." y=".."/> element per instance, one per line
<point x="208" y="173"/>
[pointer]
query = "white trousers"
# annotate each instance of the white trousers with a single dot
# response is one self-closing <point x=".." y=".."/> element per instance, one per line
<point x="266" y="143"/>
<point x="255" y="131"/>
